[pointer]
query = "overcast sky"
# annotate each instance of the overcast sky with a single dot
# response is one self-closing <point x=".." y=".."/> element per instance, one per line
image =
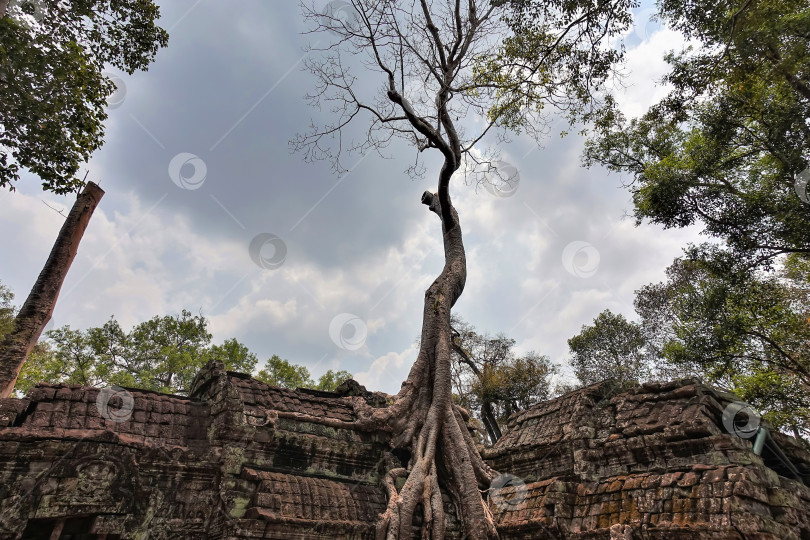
<point x="196" y="167"/>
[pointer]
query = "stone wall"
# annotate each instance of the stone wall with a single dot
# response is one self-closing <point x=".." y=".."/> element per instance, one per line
<point x="215" y="465"/>
<point x="656" y="461"/>
<point x="235" y="460"/>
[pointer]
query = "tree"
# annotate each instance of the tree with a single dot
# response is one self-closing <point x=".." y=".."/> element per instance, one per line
<point x="475" y="354"/>
<point x="52" y="86"/>
<point x="330" y="380"/>
<point x="282" y="373"/>
<point x="512" y="386"/>
<point x="438" y="62"/>
<point x="6" y="311"/>
<point x="748" y="331"/>
<point x="69" y="358"/>
<point x="37" y="309"/>
<point x="161" y="354"/>
<point x="170" y="349"/>
<point x="612" y="348"/>
<point x="488" y="378"/>
<point x="234" y="356"/>
<point x="727" y="147"/>
<point x="626" y="352"/>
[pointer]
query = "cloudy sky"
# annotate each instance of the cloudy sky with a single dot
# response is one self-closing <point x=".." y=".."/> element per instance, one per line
<point x="197" y="167"/>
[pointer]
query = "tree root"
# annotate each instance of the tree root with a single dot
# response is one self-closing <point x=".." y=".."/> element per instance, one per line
<point x="424" y="421"/>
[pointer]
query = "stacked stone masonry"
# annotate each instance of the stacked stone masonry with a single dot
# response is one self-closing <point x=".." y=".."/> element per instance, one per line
<point x="240" y="459"/>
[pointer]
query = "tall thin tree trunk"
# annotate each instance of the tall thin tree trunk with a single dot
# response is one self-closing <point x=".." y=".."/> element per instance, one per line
<point x="494" y="429"/>
<point x="3" y="8"/>
<point x="487" y="416"/>
<point x="38" y="307"/>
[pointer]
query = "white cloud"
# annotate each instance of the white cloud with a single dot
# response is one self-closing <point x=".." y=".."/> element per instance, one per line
<point x="389" y="370"/>
<point x="645" y="67"/>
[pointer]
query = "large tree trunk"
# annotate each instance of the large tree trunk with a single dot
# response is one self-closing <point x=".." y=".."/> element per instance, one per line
<point x="426" y="426"/>
<point x="38" y="307"/>
<point x="429" y="434"/>
<point x="3" y="8"/>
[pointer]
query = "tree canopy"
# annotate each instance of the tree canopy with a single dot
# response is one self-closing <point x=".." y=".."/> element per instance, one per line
<point x="611" y="348"/>
<point x="279" y="372"/>
<point x="52" y="84"/>
<point x="727" y="150"/>
<point x="728" y="145"/>
<point x="161" y="354"/>
<point x="747" y="331"/>
<point x="491" y="380"/>
<point x="284" y="374"/>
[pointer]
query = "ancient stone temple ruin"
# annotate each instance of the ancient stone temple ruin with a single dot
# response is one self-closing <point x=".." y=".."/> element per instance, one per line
<point x="239" y="459"/>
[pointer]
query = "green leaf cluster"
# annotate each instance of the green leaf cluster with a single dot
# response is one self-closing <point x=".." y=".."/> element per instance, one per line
<point x="556" y="55"/>
<point x="513" y="385"/>
<point x="52" y="86"/>
<point x="487" y="373"/>
<point x="612" y="348"/>
<point x="162" y="354"/>
<point x="284" y="374"/>
<point x="747" y="331"/>
<point x="726" y="147"/>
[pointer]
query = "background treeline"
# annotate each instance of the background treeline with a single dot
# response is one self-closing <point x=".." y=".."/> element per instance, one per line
<point x="161" y="354"/>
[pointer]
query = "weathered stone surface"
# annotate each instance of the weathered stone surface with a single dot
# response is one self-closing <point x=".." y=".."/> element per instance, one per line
<point x="651" y="462"/>
<point x="218" y="464"/>
<point x="234" y="460"/>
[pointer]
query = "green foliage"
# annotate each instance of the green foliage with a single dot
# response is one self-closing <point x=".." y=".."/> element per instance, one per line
<point x="513" y="385"/>
<point x="170" y="350"/>
<point x="52" y="90"/>
<point x="610" y="349"/>
<point x="234" y="355"/>
<point x="726" y="146"/>
<point x="72" y="360"/>
<point x="161" y="354"/>
<point x="330" y="380"/>
<point x="283" y="373"/>
<point x="555" y="56"/>
<point x="487" y="374"/>
<point x="726" y="149"/>
<point x="716" y="320"/>
<point x="42" y="365"/>
<point x="7" y="310"/>
<point x="748" y="331"/>
<point x="280" y="372"/>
